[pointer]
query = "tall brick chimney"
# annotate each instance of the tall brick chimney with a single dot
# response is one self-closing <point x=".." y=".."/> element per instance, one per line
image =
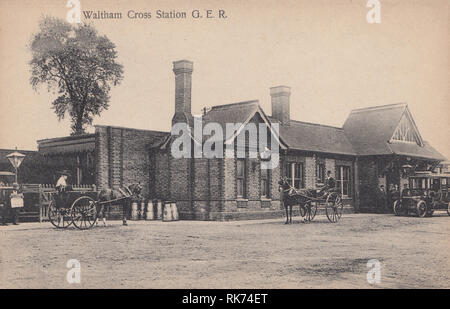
<point x="183" y="81"/>
<point x="280" y="104"/>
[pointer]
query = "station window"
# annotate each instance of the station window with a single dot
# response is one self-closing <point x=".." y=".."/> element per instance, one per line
<point x="265" y="183"/>
<point x="294" y="174"/>
<point x="320" y="173"/>
<point x="343" y="179"/>
<point x="240" y="178"/>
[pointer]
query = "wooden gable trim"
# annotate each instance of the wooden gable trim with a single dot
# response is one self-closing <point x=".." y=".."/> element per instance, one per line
<point x="407" y="115"/>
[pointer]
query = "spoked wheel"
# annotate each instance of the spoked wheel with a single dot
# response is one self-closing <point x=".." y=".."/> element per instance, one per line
<point x="430" y="209"/>
<point x="334" y="207"/>
<point x="421" y="209"/>
<point x="84" y="212"/>
<point x="311" y="210"/>
<point x="59" y="217"/>
<point x="398" y="208"/>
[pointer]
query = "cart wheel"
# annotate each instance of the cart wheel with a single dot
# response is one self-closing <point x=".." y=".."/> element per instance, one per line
<point x="421" y="209"/>
<point x="398" y="208"/>
<point x="84" y="212"/>
<point x="59" y="217"/>
<point x="311" y="210"/>
<point x="334" y="207"/>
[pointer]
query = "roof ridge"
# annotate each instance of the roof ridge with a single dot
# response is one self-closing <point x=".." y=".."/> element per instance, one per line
<point x="18" y="150"/>
<point x="67" y="137"/>
<point x="235" y="104"/>
<point x="378" y="107"/>
<point x="316" y="124"/>
<point x="128" y="128"/>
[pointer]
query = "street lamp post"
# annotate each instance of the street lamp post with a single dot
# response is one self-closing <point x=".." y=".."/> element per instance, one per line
<point x="16" y="159"/>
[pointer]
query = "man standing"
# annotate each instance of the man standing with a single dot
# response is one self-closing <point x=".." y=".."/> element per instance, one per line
<point x="382" y="202"/>
<point x="16" y="203"/>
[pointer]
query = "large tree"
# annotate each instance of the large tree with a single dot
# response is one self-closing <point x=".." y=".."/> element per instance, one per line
<point x="78" y="65"/>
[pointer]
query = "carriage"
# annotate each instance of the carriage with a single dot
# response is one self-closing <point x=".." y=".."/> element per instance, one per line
<point x="429" y="192"/>
<point x="78" y="208"/>
<point x="309" y="199"/>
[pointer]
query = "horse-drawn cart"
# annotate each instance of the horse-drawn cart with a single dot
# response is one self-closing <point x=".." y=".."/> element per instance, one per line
<point x="79" y="208"/>
<point x="308" y="201"/>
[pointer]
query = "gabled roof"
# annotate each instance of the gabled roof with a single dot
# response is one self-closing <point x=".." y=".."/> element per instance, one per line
<point x="316" y="138"/>
<point x="370" y="131"/>
<point x="242" y="113"/>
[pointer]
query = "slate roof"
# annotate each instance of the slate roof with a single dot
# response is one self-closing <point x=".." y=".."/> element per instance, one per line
<point x="241" y="112"/>
<point x="67" y="144"/>
<point x="316" y="138"/>
<point x="370" y="129"/>
<point x="412" y="150"/>
<point x="230" y="113"/>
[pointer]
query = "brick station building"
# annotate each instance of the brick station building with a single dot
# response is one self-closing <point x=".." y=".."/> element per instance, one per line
<point x="377" y="145"/>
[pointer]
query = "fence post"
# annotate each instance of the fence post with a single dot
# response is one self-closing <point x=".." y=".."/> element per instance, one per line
<point x="40" y="203"/>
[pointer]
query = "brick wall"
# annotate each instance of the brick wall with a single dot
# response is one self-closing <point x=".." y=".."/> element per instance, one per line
<point x="330" y="165"/>
<point x="101" y="157"/>
<point x="368" y="183"/>
<point x="122" y="157"/>
<point x="310" y="172"/>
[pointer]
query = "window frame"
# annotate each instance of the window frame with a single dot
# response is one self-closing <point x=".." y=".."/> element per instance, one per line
<point x="320" y="175"/>
<point x="265" y="188"/>
<point x="241" y="180"/>
<point x="341" y="171"/>
<point x="290" y="168"/>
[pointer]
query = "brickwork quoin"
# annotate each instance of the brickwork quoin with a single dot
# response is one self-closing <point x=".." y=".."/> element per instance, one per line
<point x="209" y="141"/>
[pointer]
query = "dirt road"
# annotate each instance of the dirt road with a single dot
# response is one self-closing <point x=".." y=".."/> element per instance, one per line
<point x="413" y="253"/>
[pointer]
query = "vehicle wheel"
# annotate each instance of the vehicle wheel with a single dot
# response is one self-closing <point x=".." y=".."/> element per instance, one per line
<point x="398" y="208"/>
<point x="59" y="217"/>
<point x="334" y="207"/>
<point x="431" y="208"/>
<point x="84" y="212"/>
<point x="421" y="209"/>
<point x="311" y="210"/>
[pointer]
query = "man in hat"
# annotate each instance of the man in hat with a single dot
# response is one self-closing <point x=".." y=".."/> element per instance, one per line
<point x="15" y="208"/>
<point x="61" y="184"/>
<point x="329" y="186"/>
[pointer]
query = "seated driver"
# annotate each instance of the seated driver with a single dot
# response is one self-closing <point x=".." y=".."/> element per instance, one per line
<point x="61" y="184"/>
<point x="329" y="186"/>
<point x="62" y="187"/>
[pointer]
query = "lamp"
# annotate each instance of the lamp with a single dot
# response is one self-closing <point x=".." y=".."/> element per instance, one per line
<point x="16" y="159"/>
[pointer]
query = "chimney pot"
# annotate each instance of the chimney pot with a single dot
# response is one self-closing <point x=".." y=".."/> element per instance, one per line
<point x="280" y="104"/>
<point x="183" y="83"/>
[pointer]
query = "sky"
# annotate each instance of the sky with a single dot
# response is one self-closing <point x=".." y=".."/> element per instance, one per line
<point x="326" y="51"/>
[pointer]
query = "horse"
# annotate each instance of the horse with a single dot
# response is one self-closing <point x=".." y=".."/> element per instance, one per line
<point x="122" y="196"/>
<point x="293" y="197"/>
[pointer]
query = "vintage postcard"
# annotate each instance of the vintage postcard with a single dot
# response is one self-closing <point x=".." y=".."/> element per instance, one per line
<point x="195" y="144"/>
